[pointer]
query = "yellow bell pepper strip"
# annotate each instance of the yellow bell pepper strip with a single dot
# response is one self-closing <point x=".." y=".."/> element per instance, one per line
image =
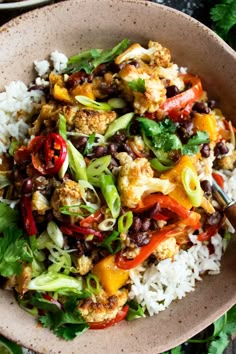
<point x="175" y="104"/>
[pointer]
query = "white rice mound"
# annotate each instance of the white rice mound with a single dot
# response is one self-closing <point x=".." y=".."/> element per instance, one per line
<point x="157" y="286"/>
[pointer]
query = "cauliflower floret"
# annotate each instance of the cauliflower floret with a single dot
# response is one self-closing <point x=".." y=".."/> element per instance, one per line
<point x="68" y="193"/>
<point x="88" y="121"/>
<point x="156" y="54"/>
<point x="101" y="307"/>
<point x="84" y="264"/>
<point x="227" y="162"/>
<point x="166" y="249"/>
<point x="155" y="91"/>
<point x="136" y="180"/>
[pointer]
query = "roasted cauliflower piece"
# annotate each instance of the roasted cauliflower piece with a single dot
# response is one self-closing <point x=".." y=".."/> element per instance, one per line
<point x="136" y="180"/>
<point x="156" y="54"/>
<point x="101" y="307"/>
<point x="84" y="264"/>
<point x="67" y="194"/>
<point x="227" y="162"/>
<point x="166" y="249"/>
<point x="155" y="91"/>
<point x="88" y="121"/>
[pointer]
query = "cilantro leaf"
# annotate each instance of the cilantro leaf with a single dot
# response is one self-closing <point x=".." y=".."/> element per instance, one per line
<point x="137" y="85"/>
<point x="65" y="322"/>
<point x="135" y="311"/>
<point x="176" y="350"/>
<point x="14" y="251"/>
<point x="223" y="16"/>
<point x="90" y="59"/>
<point x="193" y="145"/>
<point x="218" y="346"/>
<point x="8" y="216"/>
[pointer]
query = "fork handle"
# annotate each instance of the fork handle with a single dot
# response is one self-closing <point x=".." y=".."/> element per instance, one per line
<point x="230" y="212"/>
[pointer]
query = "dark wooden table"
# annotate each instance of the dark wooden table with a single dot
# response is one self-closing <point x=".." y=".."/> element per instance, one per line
<point x="199" y="10"/>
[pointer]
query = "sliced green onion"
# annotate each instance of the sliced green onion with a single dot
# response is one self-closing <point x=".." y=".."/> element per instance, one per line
<point x="13" y="146"/>
<point x="62" y="126"/>
<point x="96" y="167"/>
<point x="89" y="195"/>
<point x="107" y="224"/>
<point x="44" y="241"/>
<point x="88" y="102"/>
<point x="92" y="280"/>
<point x="76" y="162"/>
<point x="157" y="165"/>
<point x="112" y="243"/>
<point x="89" y="144"/>
<point x="110" y="194"/>
<point x="55" y="234"/>
<point x="52" y="281"/>
<point x="192" y="186"/>
<point x="117" y="102"/>
<point x="4" y="181"/>
<point x="125" y="221"/>
<point x="118" y="124"/>
<point x="66" y="209"/>
<point x="64" y="167"/>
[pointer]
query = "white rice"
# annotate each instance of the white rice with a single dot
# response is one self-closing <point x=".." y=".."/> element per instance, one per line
<point x="157" y="286"/>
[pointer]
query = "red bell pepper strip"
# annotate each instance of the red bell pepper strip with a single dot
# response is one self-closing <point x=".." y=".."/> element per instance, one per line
<point x="104" y="324"/>
<point x="165" y="202"/>
<point x="91" y="219"/>
<point x="70" y="230"/>
<point x="211" y="231"/>
<point x="219" y="179"/>
<point x="185" y="98"/>
<point x="27" y="214"/>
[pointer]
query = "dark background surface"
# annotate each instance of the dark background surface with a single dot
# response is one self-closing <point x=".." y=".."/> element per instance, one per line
<point x="200" y="11"/>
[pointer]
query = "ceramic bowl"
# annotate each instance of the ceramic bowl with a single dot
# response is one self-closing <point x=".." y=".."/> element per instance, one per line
<point x="74" y="25"/>
<point x="21" y="5"/>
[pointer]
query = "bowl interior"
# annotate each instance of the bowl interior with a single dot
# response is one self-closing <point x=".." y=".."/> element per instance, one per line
<point x="72" y="26"/>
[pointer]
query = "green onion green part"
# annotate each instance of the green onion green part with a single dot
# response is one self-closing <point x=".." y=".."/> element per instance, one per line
<point x="125" y="221"/>
<point x="110" y="194"/>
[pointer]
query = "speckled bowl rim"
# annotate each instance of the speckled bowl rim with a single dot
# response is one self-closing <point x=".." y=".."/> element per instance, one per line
<point x="129" y="337"/>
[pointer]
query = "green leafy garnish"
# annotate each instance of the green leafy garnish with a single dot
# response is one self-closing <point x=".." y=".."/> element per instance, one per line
<point x="8" y="216"/>
<point x="135" y="311"/>
<point x="223" y="16"/>
<point x="14" y="251"/>
<point x="90" y="59"/>
<point x="193" y="144"/>
<point x="67" y="324"/>
<point x="137" y="85"/>
<point x="112" y="243"/>
<point x="89" y="144"/>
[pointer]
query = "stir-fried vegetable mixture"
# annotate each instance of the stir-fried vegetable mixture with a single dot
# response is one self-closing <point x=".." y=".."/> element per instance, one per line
<point x="116" y="172"/>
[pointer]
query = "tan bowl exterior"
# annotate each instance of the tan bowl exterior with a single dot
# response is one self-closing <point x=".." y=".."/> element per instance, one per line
<point x="81" y="24"/>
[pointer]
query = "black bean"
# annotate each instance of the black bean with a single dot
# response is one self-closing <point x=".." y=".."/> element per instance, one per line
<point x="76" y="79"/>
<point x="136" y="225"/>
<point x="100" y="70"/>
<point x="214" y="219"/>
<point x="100" y="151"/>
<point x="113" y="163"/>
<point x="127" y="148"/>
<point x="140" y="238"/>
<point x="146" y="223"/>
<point x="200" y="107"/>
<point x="211" y="104"/>
<point x="27" y="186"/>
<point x="220" y="149"/>
<point x="119" y="137"/>
<point x="112" y="148"/>
<point x="206" y="187"/>
<point x="152" y="211"/>
<point x="205" y="150"/>
<point x="185" y="130"/>
<point x="172" y="91"/>
<point x="80" y="141"/>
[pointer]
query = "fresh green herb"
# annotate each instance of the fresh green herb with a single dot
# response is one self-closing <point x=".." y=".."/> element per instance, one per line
<point x="76" y="162"/>
<point x="110" y="194"/>
<point x="96" y="167"/>
<point x="137" y="85"/>
<point x="90" y="59"/>
<point x="193" y="145"/>
<point x="67" y="324"/>
<point x="118" y="124"/>
<point x="13" y="146"/>
<point x="135" y="311"/>
<point x="8" y="216"/>
<point x="125" y="221"/>
<point x="68" y="210"/>
<point x="176" y="350"/>
<point x="14" y="251"/>
<point x="89" y="144"/>
<point x="88" y="102"/>
<point x="112" y="243"/>
<point x="223" y="16"/>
